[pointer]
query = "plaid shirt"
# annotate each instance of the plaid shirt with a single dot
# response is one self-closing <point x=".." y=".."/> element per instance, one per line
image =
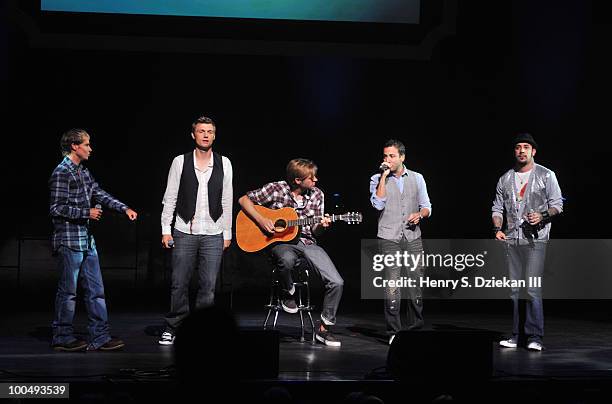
<point x="73" y="188"/>
<point x="276" y="195"/>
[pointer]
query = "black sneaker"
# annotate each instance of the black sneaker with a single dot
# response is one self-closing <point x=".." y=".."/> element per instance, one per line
<point x="74" y="346"/>
<point x="327" y="338"/>
<point x="288" y="303"/>
<point x="111" y="345"/>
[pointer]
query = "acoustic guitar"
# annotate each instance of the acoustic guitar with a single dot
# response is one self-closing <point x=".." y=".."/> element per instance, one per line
<point x="251" y="238"/>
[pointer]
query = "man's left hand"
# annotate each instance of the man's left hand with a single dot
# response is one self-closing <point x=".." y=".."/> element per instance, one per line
<point x="226" y="244"/>
<point x="414" y="218"/>
<point x="131" y="214"/>
<point x="534" y="218"/>
<point x="325" y="221"/>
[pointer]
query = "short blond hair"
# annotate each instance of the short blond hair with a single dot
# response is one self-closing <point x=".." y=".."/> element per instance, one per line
<point x="300" y="168"/>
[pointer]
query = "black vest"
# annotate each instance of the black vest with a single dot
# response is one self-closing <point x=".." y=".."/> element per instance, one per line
<point x="188" y="189"/>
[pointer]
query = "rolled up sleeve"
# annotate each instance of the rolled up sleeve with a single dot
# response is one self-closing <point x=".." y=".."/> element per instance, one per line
<point x="498" y="202"/>
<point x="423" y="197"/>
<point x="377" y="203"/>
<point x="553" y="192"/>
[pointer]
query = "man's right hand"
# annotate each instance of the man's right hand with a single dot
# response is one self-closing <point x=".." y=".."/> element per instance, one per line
<point x="266" y="225"/>
<point x="387" y="171"/>
<point x="500" y="235"/>
<point x="166" y="238"/>
<point x="95" y="213"/>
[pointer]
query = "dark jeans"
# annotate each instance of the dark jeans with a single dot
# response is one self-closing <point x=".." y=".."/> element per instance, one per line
<point x="393" y="296"/>
<point x="84" y="267"/>
<point x="190" y="250"/>
<point x="286" y="256"/>
<point x="524" y="261"/>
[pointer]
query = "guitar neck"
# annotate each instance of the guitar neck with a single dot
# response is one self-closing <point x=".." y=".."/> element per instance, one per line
<point x="310" y="220"/>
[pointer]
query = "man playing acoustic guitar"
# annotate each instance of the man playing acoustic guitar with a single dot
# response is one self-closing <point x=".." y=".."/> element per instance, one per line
<point x="299" y="192"/>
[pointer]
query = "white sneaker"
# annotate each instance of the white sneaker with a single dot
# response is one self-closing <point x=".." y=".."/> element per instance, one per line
<point x="391" y="339"/>
<point x="534" y="346"/>
<point x="166" y="338"/>
<point x="508" y="343"/>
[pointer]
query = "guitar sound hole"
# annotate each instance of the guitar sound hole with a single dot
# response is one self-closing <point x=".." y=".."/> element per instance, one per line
<point x="280" y="225"/>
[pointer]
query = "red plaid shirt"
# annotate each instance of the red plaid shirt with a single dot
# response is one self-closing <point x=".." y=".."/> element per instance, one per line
<point x="276" y="195"/>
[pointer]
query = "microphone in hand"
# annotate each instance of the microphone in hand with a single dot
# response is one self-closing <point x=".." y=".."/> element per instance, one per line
<point x="383" y="167"/>
<point x="96" y="215"/>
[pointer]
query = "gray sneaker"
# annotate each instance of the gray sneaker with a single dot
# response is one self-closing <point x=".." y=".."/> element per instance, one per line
<point x="534" y="346"/>
<point x="327" y="338"/>
<point x="288" y="304"/>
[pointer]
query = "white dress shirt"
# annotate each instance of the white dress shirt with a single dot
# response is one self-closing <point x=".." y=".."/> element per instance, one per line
<point x="202" y="223"/>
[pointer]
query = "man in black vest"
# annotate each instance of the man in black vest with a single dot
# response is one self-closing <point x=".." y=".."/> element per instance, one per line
<point x="199" y="192"/>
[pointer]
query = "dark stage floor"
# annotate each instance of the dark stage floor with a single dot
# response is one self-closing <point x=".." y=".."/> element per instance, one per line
<point x="577" y="352"/>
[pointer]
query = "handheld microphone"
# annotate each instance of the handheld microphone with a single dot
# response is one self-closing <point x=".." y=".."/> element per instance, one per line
<point x="171" y="243"/>
<point x="383" y="167"/>
<point x="91" y="224"/>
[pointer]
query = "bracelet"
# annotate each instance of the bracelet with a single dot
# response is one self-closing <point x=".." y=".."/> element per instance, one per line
<point x="496" y="229"/>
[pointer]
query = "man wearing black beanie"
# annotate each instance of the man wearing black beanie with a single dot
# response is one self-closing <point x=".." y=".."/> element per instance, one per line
<point x="530" y="197"/>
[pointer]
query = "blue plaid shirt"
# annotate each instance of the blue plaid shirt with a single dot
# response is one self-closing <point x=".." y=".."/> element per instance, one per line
<point x="73" y="189"/>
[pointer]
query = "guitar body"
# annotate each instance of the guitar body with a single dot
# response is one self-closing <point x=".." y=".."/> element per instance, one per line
<point x="249" y="236"/>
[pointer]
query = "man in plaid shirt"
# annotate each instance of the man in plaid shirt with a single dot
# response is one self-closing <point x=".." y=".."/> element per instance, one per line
<point x="299" y="191"/>
<point x="73" y="189"/>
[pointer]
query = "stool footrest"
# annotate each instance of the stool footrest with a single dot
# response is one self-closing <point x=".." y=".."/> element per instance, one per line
<point x="302" y="298"/>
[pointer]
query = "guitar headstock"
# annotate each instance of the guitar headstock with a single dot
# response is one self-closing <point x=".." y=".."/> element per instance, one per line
<point x="352" y="217"/>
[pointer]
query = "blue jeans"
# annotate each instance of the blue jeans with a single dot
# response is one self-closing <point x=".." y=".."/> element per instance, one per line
<point x="524" y="261"/>
<point x="84" y="267"/>
<point x="190" y="249"/>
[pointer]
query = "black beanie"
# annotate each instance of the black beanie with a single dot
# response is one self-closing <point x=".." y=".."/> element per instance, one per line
<point x="525" y="138"/>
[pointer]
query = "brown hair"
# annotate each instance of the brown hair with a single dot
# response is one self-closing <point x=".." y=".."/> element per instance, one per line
<point x="73" y="136"/>
<point x="300" y="168"/>
<point x="202" y="119"/>
<point x="401" y="149"/>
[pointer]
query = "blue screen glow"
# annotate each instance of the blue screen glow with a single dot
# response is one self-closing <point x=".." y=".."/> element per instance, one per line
<point x="381" y="11"/>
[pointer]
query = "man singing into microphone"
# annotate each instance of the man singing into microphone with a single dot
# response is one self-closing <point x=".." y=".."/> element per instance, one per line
<point x="400" y="195"/>
<point x="529" y="195"/>
<point x="73" y="189"/>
